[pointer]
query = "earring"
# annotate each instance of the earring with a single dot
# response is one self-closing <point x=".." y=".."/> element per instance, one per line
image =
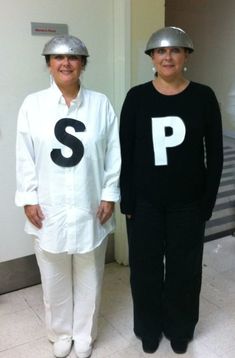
<point x="154" y="69"/>
<point x="51" y="80"/>
<point x="185" y="68"/>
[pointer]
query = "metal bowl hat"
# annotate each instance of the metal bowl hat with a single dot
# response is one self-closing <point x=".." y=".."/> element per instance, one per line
<point x="169" y="37"/>
<point x="65" y="45"/>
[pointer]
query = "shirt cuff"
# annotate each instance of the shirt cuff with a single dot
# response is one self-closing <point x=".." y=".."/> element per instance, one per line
<point x="25" y="198"/>
<point x="110" y="194"/>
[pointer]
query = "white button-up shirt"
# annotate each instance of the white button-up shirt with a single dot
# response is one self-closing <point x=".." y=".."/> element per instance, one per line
<point x="49" y="135"/>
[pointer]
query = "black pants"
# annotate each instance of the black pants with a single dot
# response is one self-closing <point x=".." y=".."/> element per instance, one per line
<point x="165" y="256"/>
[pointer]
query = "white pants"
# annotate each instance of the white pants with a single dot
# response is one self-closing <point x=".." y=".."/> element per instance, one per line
<point x="71" y="292"/>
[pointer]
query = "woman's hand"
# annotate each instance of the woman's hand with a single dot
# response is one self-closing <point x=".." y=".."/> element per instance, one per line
<point x="34" y="214"/>
<point x="105" y="211"/>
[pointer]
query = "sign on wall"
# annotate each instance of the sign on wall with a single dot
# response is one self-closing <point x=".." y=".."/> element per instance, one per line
<point x="48" y="29"/>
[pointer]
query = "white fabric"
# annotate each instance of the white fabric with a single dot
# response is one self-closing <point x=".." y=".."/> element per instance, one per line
<point x="69" y="196"/>
<point x="71" y="292"/>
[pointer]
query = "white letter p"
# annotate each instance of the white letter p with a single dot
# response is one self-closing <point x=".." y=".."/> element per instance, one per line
<point x="161" y="142"/>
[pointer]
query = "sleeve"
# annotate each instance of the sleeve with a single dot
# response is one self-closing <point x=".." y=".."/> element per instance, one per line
<point x="26" y="178"/>
<point x="127" y="140"/>
<point x="214" y="154"/>
<point x="112" y="162"/>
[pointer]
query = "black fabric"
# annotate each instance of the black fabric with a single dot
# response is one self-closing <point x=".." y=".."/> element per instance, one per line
<point x="169" y="203"/>
<point x="193" y="171"/>
<point x="165" y="297"/>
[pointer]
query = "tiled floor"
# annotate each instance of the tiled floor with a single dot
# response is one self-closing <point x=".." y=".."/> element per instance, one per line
<point x="22" y="332"/>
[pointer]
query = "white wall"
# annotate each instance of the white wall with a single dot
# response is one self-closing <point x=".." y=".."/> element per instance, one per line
<point x="211" y="25"/>
<point x="23" y="71"/>
<point x="146" y="17"/>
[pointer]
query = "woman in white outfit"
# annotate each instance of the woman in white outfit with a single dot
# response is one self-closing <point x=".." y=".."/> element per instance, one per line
<point x="68" y="163"/>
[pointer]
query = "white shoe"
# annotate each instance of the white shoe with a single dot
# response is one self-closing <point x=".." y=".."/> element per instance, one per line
<point x="62" y="347"/>
<point x="84" y="353"/>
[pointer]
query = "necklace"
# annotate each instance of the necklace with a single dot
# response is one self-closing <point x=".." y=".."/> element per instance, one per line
<point x="170" y="88"/>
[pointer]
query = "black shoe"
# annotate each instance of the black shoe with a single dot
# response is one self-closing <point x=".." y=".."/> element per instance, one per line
<point x="179" y="346"/>
<point x="150" y="345"/>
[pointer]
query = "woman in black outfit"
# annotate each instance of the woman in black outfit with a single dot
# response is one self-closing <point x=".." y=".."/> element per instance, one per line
<point x="172" y="157"/>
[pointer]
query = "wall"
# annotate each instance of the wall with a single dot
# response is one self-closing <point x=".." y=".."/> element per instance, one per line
<point x="146" y="17"/>
<point x="211" y="25"/>
<point x="23" y="71"/>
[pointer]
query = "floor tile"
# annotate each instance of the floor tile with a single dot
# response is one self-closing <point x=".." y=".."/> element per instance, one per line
<point x="23" y="333"/>
<point x="219" y="254"/>
<point x="109" y="340"/>
<point x="38" y="348"/>
<point x="32" y="295"/>
<point x="216" y="331"/>
<point x="19" y="328"/>
<point x="11" y="303"/>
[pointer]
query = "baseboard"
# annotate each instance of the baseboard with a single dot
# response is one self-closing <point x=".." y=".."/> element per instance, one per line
<point x="229" y="133"/>
<point x="219" y="235"/>
<point x="18" y="273"/>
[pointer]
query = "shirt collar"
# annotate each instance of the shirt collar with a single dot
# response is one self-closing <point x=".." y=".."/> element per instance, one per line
<point x="60" y="99"/>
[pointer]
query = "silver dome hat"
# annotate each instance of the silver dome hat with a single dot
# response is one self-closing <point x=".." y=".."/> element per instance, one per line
<point x="169" y="37"/>
<point x="65" y="45"/>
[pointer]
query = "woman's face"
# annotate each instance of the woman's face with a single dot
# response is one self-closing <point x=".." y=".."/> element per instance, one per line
<point x="66" y="69"/>
<point x="169" y="61"/>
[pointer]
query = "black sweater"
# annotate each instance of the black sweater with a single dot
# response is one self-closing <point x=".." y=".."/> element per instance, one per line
<point x="193" y="168"/>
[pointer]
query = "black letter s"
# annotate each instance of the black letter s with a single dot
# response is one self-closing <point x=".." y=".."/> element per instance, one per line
<point x="68" y="140"/>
